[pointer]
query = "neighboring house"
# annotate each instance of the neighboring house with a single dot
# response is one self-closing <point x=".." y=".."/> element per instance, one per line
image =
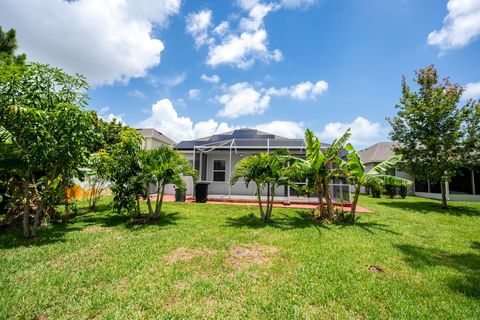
<point x="154" y="139"/>
<point x="463" y="187"/>
<point x="215" y="158"/>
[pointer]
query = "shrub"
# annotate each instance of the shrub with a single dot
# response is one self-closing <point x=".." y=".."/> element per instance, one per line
<point x="390" y="190"/>
<point x="402" y="191"/>
<point x="375" y="192"/>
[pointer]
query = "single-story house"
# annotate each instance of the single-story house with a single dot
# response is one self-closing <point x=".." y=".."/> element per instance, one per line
<point x="463" y="187"/>
<point x="215" y="158"/>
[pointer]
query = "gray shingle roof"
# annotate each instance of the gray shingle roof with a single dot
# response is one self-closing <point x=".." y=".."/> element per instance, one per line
<point x="379" y="152"/>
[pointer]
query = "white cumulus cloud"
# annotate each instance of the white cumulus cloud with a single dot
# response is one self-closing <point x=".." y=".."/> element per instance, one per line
<point x="364" y="132"/>
<point x="242" y="99"/>
<point x="108" y="41"/>
<point x="165" y="119"/>
<point x="472" y="91"/>
<point x="198" y="24"/>
<point x="211" y="79"/>
<point x="193" y="94"/>
<point x="287" y="129"/>
<point x="460" y="27"/>
<point x="301" y="91"/>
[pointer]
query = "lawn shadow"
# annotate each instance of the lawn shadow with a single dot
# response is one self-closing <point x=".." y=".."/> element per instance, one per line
<point x="370" y="226"/>
<point x="468" y="264"/>
<point x="113" y="220"/>
<point x="56" y="233"/>
<point x="282" y="221"/>
<point x="429" y="207"/>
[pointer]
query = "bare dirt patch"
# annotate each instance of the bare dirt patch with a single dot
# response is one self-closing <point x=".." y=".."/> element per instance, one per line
<point x="241" y="257"/>
<point x="375" y="268"/>
<point x="187" y="254"/>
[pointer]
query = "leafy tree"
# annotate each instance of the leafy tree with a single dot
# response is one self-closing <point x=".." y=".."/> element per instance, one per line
<point x="320" y="168"/>
<point x="41" y="108"/>
<point x="8" y="45"/>
<point x="436" y="136"/>
<point x="97" y="178"/>
<point x="267" y="171"/>
<point x="125" y="172"/>
<point x="164" y="166"/>
<point x="375" y="178"/>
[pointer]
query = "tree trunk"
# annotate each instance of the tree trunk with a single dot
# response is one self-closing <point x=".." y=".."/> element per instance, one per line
<point x="259" y="195"/>
<point x="157" y="200"/>
<point x="444" y="195"/>
<point x="320" y="199"/>
<point x="353" y="209"/>
<point x="328" y="199"/>
<point x="265" y="218"/>
<point x="149" y="202"/>
<point x="158" y="208"/>
<point x="139" y="213"/>
<point x="26" y="213"/>
<point x="36" y="219"/>
<point x="272" y="195"/>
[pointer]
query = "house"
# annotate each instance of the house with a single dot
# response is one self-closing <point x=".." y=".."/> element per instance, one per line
<point x="380" y="152"/>
<point x="463" y="187"/>
<point x="215" y="158"/>
<point x="153" y="139"/>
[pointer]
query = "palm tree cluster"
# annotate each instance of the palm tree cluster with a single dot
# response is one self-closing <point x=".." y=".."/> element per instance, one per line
<point x="321" y="166"/>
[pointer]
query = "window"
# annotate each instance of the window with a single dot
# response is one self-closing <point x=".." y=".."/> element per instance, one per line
<point x="421" y="186"/>
<point x="218" y="170"/>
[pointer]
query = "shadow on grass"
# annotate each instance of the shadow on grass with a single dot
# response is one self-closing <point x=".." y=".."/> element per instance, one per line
<point x="370" y="227"/>
<point x="429" y="207"/>
<point x="14" y="237"/>
<point x="112" y="220"/>
<point x="56" y="232"/>
<point x="279" y="220"/>
<point x="468" y="264"/>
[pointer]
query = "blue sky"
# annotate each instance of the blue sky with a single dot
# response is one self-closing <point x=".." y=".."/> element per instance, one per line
<point x="281" y="66"/>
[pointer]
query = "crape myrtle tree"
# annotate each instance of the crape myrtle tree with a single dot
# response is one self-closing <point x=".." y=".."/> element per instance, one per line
<point x="436" y="135"/>
<point x="42" y="109"/>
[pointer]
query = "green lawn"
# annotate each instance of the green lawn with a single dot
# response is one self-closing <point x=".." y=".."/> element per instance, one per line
<point x="218" y="261"/>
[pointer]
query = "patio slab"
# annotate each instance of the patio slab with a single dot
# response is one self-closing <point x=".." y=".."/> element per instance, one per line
<point x="246" y="202"/>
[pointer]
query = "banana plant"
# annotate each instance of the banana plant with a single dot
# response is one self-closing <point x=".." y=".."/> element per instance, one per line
<point x="354" y="170"/>
<point x="319" y="169"/>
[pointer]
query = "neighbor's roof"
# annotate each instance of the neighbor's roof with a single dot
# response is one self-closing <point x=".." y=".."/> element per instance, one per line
<point x="155" y="134"/>
<point x="245" y="138"/>
<point x="379" y="152"/>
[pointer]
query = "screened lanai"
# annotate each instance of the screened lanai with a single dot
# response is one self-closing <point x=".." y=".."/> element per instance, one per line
<point x="215" y="158"/>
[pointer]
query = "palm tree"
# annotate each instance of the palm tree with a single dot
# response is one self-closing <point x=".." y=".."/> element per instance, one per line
<point x="375" y="177"/>
<point x="164" y="166"/>
<point x="267" y="171"/>
<point x="319" y="169"/>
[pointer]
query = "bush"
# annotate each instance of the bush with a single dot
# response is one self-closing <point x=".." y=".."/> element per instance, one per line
<point x="402" y="191"/>
<point x="390" y="191"/>
<point x="375" y="192"/>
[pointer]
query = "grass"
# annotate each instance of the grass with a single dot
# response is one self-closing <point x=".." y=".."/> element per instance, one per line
<point x="219" y="261"/>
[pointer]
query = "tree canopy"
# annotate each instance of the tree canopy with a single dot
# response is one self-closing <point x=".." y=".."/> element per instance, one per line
<point x="436" y="135"/>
